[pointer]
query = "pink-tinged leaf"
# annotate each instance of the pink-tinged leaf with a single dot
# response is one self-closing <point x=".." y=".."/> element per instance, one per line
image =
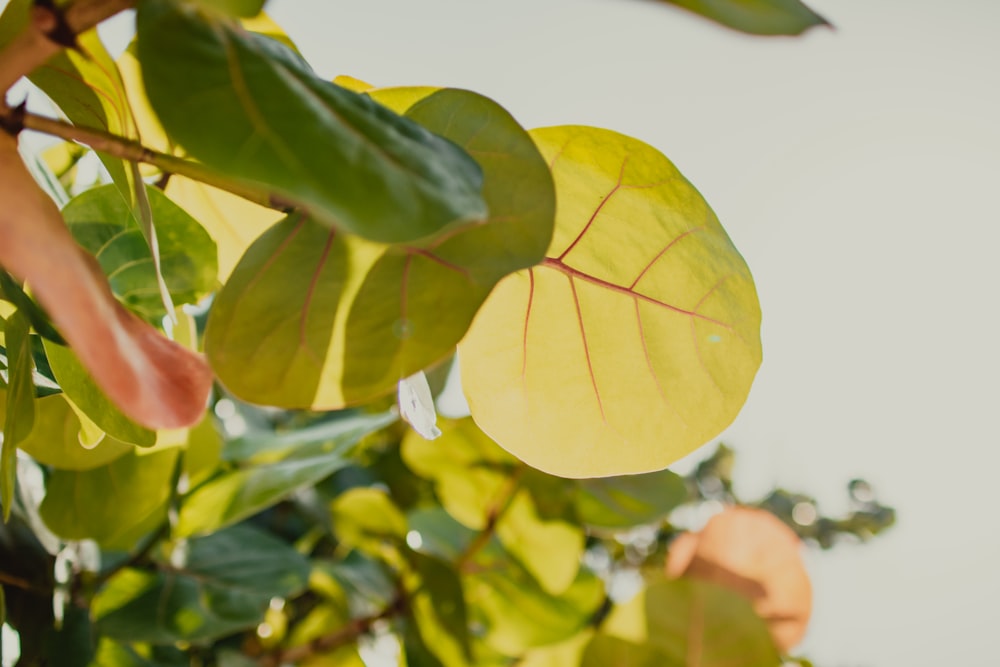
<point x="635" y="340"/>
<point x="151" y="379"/>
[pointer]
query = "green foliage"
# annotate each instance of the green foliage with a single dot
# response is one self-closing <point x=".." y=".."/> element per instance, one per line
<point x="757" y="17"/>
<point x="292" y="514"/>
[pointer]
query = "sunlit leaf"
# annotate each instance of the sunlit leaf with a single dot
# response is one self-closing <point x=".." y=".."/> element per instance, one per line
<point x="635" y="340"/>
<point x="57" y="439"/>
<point x="235" y="7"/>
<point x="267" y="121"/>
<point x="753" y="553"/>
<point x="114" y="504"/>
<point x="103" y="223"/>
<point x="757" y="17"/>
<point x="235" y="495"/>
<point x="690" y="623"/>
<point x="437" y="603"/>
<point x="365" y="518"/>
<point x="331" y="320"/>
<point x="203" y="452"/>
<point x="223" y="585"/>
<point x="610" y="503"/>
<point x="19" y="409"/>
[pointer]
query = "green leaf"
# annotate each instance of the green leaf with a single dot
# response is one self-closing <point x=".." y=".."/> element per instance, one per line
<point x="115" y="654"/>
<point x="343" y="427"/>
<point x="235" y="7"/>
<point x="332" y="320"/>
<point x="19" y="417"/>
<point x="612" y="503"/>
<point x="268" y="122"/>
<point x="11" y="291"/>
<point x="57" y="438"/>
<point x="684" y="622"/>
<point x="115" y="504"/>
<point x="757" y="17"/>
<point x="80" y="388"/>
<point x="103" y="223"/>
<point x="235" y="495"/>
<point x="365" y="518"/>
<point x="636" y="340"/>
<point x="223" y="586"/>
<point x="437" y="603"/>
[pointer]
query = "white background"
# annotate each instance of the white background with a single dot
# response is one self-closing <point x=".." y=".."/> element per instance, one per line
<point x="857" y="170"/>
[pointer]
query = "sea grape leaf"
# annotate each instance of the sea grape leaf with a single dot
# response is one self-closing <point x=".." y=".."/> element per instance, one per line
<point x="476" y="480"/>
<point x="224" y="586"/>
<point x="237" y="494"/>
<point x="19" y="406"/>
<point x="232" y="222"/>
<point x="613" y="503"/>
<point x="114" y="504"/>
<point x="56" y="439"/>
<point x="235" y="7"/>
<point x="365" y="518"/>
<point x="268" y="122"/>
<point x="608" y="650"/>
<point x="757" y="17"/>
<point x="81" y="388"/>
<point x="438" y="607"/>
<point x="685" y="622"/>
<point x="637" y="337"/>
<point x="103" y="223"/>
<point x="331" y="320"/>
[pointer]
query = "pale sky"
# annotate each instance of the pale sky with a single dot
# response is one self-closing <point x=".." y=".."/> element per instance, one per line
<point x="857" y="172"/>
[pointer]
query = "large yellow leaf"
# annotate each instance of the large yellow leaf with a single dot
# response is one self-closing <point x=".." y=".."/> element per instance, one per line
<point x="636" y="339"/>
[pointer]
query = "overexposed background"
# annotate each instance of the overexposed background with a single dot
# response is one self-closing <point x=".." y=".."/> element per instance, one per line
<point x="858" y="171"/>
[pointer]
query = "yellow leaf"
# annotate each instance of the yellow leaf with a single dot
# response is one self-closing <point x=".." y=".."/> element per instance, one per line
<point x="636" y="340"/>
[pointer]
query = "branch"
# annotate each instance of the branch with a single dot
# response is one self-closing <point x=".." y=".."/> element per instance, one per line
<point x="342" y="636"/>
<point x="49" y="30"/>
<point x="126" y="149"/>
<point x="493" y="516"/>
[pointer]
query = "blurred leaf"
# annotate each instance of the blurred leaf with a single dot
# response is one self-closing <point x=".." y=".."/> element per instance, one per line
<point x="111" y="653"/>
<point x="438" y="608"/>
<point x="81" y="389"/>
<point x="103" y="223"/>
<point x="568" y="652"/>
<point x="612" y="503"/>
<point x="757" y="17"/>
<point x="224" y="586"/>
<point x="366" y="584"/>
<point x="684" y="622"/>
<point x="115" y="504"/>
<point x="232" y="222"/>
<point x="203" y="452"/>
<point x="267" y="121"/>
<point x="19" y="409"/>
<point x="333" y="320"/>
<point x="549" y="366"/>
<point x="235" y="495"/>
<point x="366" y="518"/>
<point x="235" y="7"/>
<point x="440" y="534"/>
<point x="56" y="439"/>
<point x="12" y="292"/>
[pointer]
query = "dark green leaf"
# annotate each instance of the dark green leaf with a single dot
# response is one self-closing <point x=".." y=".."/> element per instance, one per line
<point x="111" y="653"/>
<point x="344" y="427"/>
<point x="612" y="503"/>
<point x="275" y="475"/>
<point x="438" y="608"/>
<point x="103" y="223"/>
<point x="223" y="586"/>
<point x="80" y="388"/>
<point x="267" y="121"/>
<point x="757" y="17"/>
<point x="20" y="405"/>
<point x="12" y="292"/>
<point x="345" y="319"/>
<point x="115" y="504"/>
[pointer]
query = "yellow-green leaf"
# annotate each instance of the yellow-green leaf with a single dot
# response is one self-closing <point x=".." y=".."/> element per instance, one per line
<point x="19" y="405"/>
<point x="635" y="340"/>
<point x="757" y="17"/>
<point x="312" y="318"/>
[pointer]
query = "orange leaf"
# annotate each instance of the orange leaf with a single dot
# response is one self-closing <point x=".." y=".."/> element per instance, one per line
<point x="153" y="380"/>
<point x="751" y="552"/>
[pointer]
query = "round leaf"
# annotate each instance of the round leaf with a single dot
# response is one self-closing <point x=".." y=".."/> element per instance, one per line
<point x="311" y="318"/>
<point x="636" y="339"/>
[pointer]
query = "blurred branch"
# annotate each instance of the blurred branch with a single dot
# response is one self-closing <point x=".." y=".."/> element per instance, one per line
<point x="493" y="516"/>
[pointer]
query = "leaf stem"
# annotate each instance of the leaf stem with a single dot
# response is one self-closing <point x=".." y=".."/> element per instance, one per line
<point x="49" y="30"/>
<point x="127" y="149"/>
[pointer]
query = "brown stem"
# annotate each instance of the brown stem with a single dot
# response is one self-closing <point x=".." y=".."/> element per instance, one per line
<point x="493" y="516"/>
<point x="342" y="636"/>
<point x="126" y="149"/>
<point x="45" y="34"/>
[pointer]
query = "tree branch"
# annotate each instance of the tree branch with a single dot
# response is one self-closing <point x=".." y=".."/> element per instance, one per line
<point x="127" y="149"/>
<point x="493" y="516"/>
<point x="47" y="32"/>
